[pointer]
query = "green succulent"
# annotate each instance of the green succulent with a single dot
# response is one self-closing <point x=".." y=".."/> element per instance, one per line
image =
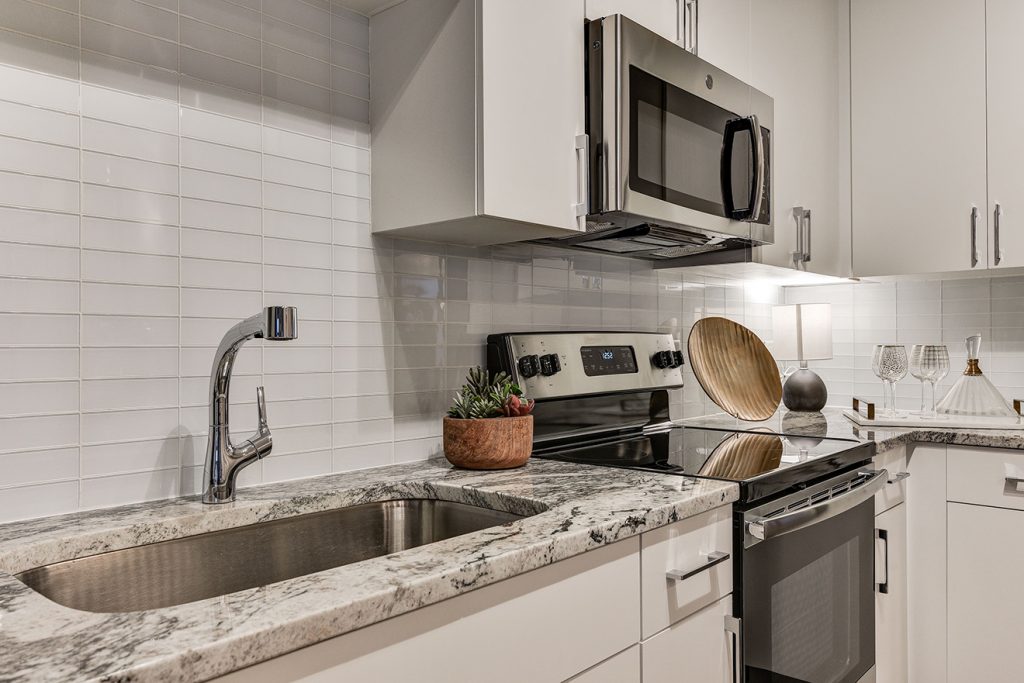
<point x="483" y="396"/>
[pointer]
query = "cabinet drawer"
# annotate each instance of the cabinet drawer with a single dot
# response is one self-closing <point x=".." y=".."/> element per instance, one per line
<point x="891" y="495"/>
<point x="684" y="546"/>
<point x="696" y="649"/>
<point x="986" y="476"/>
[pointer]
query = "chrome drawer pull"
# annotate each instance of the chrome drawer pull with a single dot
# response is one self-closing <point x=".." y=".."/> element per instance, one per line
<point x="900" y="476"/>
<point x="717" y="557"/>
<point x="1014" y="487"/>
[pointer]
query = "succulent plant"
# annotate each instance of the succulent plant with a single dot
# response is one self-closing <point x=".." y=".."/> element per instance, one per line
<point x="483" y="396"/>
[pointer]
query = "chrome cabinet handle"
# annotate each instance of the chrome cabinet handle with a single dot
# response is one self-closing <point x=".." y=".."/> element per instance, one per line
<point x="770" y="527"/>
<point x="974" y="236"/>
<point x="900" y="476"/>
<point x="686" y="24"/>
<point x="734" y="627"/>
<point x="582" y="174"/>
<point x="807" y="242"/>
<point x="997" y="252"/>
<point x="1014" y="486"/>
<point x="883" y="584"/>
<point x="714" y="558"/>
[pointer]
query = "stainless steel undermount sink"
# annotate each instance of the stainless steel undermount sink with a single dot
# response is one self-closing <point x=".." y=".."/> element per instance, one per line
<point x="221" y="562"/>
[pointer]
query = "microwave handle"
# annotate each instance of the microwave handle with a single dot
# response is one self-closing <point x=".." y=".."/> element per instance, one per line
<point x="733" y="127"/>
<point x="759" y="164"/>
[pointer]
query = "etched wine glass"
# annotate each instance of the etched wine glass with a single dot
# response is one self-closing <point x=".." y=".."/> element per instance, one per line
<point x="890" y="364"/>
<point x="934" y="365"/>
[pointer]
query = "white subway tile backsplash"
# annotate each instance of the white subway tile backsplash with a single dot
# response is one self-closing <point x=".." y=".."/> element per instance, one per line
<point x="28" y="260"/>
<point x="38" y="158"/>
<point x="113" y="362"/>
<point x="44" y="431"/>
<point x="223" y="147"/>
<point x="38" y="296"/>
<point x="137" y="269"/>
<point x="131" y="205"/>
<point x="35" y="192"/>
<point x="37" y="398"/>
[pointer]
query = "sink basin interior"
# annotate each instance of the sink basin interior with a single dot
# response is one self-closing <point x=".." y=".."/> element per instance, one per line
<point x="221" y="562"/>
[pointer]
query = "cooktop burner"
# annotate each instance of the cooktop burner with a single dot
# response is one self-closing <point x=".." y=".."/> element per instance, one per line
<point x="763" y="463"/>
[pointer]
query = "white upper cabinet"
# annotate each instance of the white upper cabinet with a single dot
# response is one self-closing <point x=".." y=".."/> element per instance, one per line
<point x="799" y="69"/>
<point x="1005" y="54"/>
<point x="918" y="135"/>
<point x="660" y="16"/>
<point x="723" y="36"/>
<point x="476" y="109"/>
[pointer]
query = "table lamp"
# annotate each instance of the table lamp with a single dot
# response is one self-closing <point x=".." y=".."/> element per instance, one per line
<point x="803" y="332"/>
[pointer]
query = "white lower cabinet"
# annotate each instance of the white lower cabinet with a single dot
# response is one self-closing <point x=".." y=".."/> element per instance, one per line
<point x="891" y="595"/>
<point x="546" y="625"/>
<point x="696" y="649"/>
<point x="622" y="668"/>
<point x="578" y="619"/>
<point x="986" y="607"/>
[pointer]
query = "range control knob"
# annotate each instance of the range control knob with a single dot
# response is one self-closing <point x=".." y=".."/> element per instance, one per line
<point x="550" y="364"/>
<point x="662" y="360"/>
<point x="529" y="366"/>
<point x="677" y="359"/>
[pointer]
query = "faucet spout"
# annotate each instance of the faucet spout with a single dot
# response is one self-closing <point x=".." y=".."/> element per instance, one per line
<point x="223" y="458"/>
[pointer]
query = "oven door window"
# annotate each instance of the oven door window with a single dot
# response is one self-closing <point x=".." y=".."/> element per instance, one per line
<point x="808" y="602"/>
<point x="688" y="151"/>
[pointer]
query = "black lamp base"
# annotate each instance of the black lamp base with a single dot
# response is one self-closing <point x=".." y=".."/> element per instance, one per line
<point x="804" y="391"/>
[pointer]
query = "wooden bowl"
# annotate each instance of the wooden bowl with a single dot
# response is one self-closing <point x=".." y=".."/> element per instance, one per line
<point x="493" y="443"/>
<point x="734" y="368"/>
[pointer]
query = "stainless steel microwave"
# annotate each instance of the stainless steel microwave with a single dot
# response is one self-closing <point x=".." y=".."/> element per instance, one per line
<point x="680" y="152"/>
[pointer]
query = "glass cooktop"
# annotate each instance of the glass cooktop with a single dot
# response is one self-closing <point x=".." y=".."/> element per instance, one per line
<point x="763" y="463"/>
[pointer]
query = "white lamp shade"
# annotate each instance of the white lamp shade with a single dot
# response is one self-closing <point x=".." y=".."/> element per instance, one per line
<point x="802" y="332"/>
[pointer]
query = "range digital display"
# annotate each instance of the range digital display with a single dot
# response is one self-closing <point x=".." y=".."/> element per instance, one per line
<point x="608" y="360"/>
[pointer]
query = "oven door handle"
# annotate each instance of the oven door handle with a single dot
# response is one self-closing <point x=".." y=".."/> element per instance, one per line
<point x="765" y="528"/>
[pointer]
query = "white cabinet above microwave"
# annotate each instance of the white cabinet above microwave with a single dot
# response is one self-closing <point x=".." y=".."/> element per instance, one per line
<point x="477" y="119"/>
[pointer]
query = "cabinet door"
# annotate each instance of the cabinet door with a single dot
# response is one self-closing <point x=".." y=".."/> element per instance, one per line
<point x="697" y="648"/>
<point x="986" y="613"/>
<point x="622" y="668"/>
<point x="918" y="135"/>
<point x="1005" y="142"/>
<point x="660" y="16"/>
<point x="723" y="36"/>
<point x="891" y="595"/>
<point x="800" y="72"/>
<point x="531" y="110"/>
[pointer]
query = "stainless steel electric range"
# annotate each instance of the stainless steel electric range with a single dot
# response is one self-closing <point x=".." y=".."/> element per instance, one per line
<point x="803" y="542"/>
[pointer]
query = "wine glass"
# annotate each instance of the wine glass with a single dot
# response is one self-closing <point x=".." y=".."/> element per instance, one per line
<point x="934" y="366"/>
<point x="917" y="371"/>
<point x="890" y="364"/>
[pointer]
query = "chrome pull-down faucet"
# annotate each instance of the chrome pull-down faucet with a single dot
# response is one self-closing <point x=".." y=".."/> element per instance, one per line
<point x="224" y="459"/>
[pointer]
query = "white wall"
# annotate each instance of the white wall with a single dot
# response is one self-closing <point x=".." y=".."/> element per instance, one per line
<point x="920" y="312"/>
<point x="168" y="167"/>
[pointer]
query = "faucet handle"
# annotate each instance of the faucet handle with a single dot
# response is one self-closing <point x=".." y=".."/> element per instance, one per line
<point x="261" y="409"/>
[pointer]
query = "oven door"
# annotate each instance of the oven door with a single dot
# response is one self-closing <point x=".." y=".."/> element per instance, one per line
<point x="680" y="142"/>
<point x="807" y="601"/>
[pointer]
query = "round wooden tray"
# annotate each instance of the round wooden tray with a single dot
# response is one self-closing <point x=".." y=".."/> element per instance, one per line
<point x="735" y="368"/>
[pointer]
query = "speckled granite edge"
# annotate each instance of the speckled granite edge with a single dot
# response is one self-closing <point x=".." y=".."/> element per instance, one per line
<point x="831" y="423"/>
<point x="583" y="508"/>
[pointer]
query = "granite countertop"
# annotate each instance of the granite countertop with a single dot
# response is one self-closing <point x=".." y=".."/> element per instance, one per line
<point x="578" y="508"/>
<point x="831" y="423"/>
